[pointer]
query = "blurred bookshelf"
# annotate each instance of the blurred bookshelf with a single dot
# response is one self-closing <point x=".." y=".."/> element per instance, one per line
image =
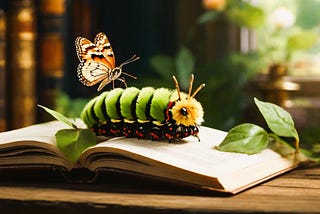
<point x="3" y="107"/>
<point x="38" y="58"/>
<point x="21" y="62"/>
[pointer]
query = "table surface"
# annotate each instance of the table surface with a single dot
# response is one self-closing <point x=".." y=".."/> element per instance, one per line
<point x="297" y="191"/>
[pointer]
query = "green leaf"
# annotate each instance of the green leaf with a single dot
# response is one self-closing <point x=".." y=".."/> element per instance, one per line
<point x="246" y="138"/>
<point x="185" y="63"/>
<point x="208" y="16"/>
<point x="163" y="65"/>
<point x="279" y="120"/>
<point x="72" y="142"/>
<point x="302" y="40"/>
<point x="59" y="116"/>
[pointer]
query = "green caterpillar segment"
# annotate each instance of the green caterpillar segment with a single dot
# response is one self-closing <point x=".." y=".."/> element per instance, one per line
<point x="128" y="102"/>
<point x="100" y="106"/>
<point x="153" y="113"/>
<point x="88" y="115"/>
<point x="159" y="103"/>
<point x="143" y="99"/>
<point x="147" y="104"/>
<point x="112" y="101"/>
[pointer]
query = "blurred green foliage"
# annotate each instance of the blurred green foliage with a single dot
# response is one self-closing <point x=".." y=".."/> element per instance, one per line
<point x="244" y="14"/>
<point x="68" y="106"/>
<point x="281" y="44"/>
<point x="310" y="138"/>
<point x="225" y="76"/>
<point x="223" y="97"/>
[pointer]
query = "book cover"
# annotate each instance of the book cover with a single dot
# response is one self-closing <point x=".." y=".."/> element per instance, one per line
<point x="51" y="38"/>
<point x="21" y="63"/>
<point x="3" y="72"/>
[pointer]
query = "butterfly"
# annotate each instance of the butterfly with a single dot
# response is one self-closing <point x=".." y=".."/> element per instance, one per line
<point x="97" y="62"/>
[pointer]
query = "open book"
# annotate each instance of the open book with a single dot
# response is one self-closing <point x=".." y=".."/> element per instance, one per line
<point x="187" y="161"/>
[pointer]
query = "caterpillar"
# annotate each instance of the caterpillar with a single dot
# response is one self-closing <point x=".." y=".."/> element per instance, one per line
<point x="157" y="114"/>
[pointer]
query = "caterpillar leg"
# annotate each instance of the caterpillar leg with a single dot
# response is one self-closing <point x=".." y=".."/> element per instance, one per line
<point x="129" y="129"/>
<point x="156" y="133"/>
<point x="143" y="129"/>
<point x="194" y="132"/>
<point x="108" y="129"/>
<point x="178" y="132"/>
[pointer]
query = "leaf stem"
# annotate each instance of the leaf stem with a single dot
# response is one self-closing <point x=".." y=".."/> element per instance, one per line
<point x="297" y="144"/>
<point x="278" y="139"/>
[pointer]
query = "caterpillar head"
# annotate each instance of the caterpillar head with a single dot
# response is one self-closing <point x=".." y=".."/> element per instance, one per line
<point x="187" y="110"/>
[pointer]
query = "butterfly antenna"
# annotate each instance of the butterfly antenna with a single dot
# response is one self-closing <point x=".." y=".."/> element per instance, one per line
<point x="177" y="86"/>
<point x="129" y="75"/>
<point x="132" y="59"/>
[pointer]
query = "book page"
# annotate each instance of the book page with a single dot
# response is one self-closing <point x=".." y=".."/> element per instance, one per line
<point x="43" y="132"/>
<point x="189" y="154"/>
<point x="32" y="145"/>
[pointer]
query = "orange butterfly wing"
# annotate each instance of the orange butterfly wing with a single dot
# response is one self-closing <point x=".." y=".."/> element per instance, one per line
<point x="96" y="60"/>
<point x="104" y="46"/>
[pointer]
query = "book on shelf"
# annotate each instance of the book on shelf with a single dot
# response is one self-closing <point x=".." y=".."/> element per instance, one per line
<point x="187" y="161"/>
<point x="21" y="62"/>
<point x="3" y="72"/>
<point x="51" y="36"/>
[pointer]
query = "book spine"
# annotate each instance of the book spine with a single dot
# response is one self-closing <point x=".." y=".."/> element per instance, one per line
<point x="3" y="109"/>
<point x="51" y="33"/>
<point x="21" y="62"/>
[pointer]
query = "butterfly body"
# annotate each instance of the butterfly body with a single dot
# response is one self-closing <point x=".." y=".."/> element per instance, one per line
<point x="97" y="62"/>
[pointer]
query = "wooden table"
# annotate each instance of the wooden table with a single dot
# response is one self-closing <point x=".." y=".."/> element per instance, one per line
<point x="295" y="192"/>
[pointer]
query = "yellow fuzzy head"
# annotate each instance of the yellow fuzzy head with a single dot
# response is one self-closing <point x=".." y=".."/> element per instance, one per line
<point x="187" y="110"/>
